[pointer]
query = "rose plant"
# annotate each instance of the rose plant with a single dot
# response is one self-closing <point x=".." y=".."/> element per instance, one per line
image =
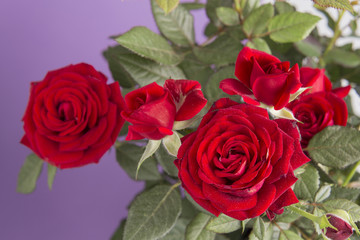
<point x="249" y="135"/>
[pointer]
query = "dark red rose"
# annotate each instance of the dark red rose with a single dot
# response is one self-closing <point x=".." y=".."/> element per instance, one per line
<point x="153" y="109"/>
<point x="73" y="116"/>
<point x="316" y="111"/>
<point x="262" y="78"/>
<point x="239" y="162"/>
<point x="316" y="79"/>
<point x="344" y="229"/>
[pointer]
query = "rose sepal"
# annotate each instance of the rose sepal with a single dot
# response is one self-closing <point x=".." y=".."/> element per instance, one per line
<point x="150" y="149"/>
<point x="298" y="93"/>
<point x="172" y="143"/>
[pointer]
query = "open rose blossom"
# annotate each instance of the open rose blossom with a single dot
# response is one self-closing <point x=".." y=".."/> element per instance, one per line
<point x="315" y="111"/>
<point x="262" y="77"/>
<point x="321" y="106"/>
<point x="239" y="162"/>
<point x="153" y="109"/>
<point x="73" y="116"/>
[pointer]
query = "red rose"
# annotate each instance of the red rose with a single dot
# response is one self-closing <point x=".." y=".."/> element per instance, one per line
<point x="316" y="111"/>
<point x="153" y="109"/>
<point x="187" y="96"/>
<point x="262" y="78"/>
<point x="316" y="79"/>
<point x="239" y="162"/>
<point x="73" y="117"/>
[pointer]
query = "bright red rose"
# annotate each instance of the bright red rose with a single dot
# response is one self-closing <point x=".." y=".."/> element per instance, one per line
<point x="187" y="96"/>
<point x="153" y="109"/>
<point x="262" y="78"/>
<point x="239" y="162"/>
<point x="316" y="79"/>
<point x="316" y="111"/>
<point x="73" y="116"/>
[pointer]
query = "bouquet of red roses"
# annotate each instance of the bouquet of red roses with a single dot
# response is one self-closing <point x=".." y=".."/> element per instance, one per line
<point x="250" y="135"/>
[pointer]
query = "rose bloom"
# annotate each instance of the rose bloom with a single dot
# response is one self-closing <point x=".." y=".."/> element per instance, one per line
<point x="73" y="116"/>
<point x="239" y="162"/>
<point x="316" y="111"/>
<point x="262" y="77"/>
<point x="320" y="106"/>
<point x="153" y="109"/>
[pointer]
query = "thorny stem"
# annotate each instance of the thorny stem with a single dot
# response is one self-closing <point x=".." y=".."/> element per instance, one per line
<point x="351" y="174"/>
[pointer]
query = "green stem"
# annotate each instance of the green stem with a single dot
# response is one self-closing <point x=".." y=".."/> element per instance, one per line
<point x="322" y="221"/>
<point x="337" y="34"/>
<point x="351" y="174"/>
<point x="304" y="213"/>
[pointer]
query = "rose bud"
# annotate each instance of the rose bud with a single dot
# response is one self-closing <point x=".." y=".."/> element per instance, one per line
<point x="239" y="162"/>
<point x="187" y="96"/>
<point x="341" y="221"/>
<point x="151" y="111"/>
<point x="263" y="78"/>
<point x="73" y="116"/>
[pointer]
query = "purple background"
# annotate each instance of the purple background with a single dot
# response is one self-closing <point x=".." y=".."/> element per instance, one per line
<point x="42" y="35"/>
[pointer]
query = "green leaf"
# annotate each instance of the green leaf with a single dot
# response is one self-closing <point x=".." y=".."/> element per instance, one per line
<point x="212" y="5"/>
<point x="212" y="89"/>
<point x="177" y="26"/>
<point x="128" y="155"/>
<point x="144" y="71"/>
<point x="29" y="173"/>
<point x="259" y="44"/>
<point x="148" y="44"/>
<point x="153" y="213"/>
<point x="340" y="4"/>
<point x="222" y="51"/>
<point x="287" y="216"/>
<point x="166" y="161"/>
<point x="308" y="49"/>
<point x="228" y="16"/>
<point x="168" y="5"/>
<point x="307" y="184"/>
<point x="289" y="235"/>
<point x="118" y="234"/>
<point x="335" y="146"/>
<point x="249" y="6"/>
<point x="352" y="208"/>
<point x="172" y="143"/>
<point x="196" y="70"/>
<point x="192" y="6"/>
<point x="292" y="26"/>
<point x="343" y="58"/>
<point x="51" y="171"/>
<point x="344" y="192"/>
<point x="196" y="230"/>
<point x="258" y="19"/>
<point x="283" y="7"/>
<point x="118" y="72"/>
<point x="261" y="230"/>
<point x="323" y="193"/>
<point x="178" y="231"/>
<point x="223" y="224"/>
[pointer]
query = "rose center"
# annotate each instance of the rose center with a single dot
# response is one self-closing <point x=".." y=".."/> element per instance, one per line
<point x="66" y="111"/>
